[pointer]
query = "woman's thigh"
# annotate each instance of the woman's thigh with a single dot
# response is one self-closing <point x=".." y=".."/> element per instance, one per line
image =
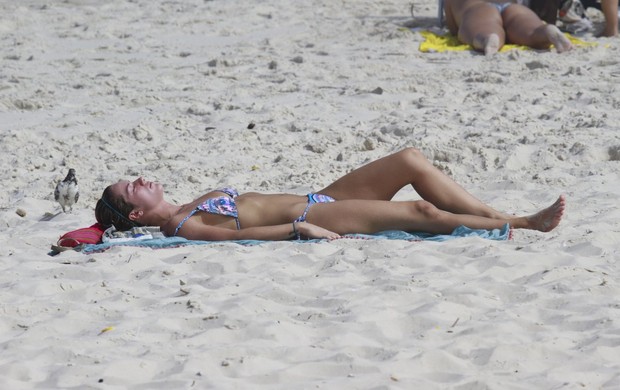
<point x="370" y="216"/>
<point x="481" y="19"/>
<point x="520" y="23"/>
<point x="374" y="180"/>
<point x="380" y="179"/>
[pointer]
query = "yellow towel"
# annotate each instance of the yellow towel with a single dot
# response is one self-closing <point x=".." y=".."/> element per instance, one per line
<point x="437" y="43"/>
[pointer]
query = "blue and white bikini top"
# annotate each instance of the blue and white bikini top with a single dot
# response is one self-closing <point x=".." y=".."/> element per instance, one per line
<point x="221" y="205"/>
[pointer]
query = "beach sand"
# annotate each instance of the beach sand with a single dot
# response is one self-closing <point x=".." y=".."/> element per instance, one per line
<point x="168" y="89"/>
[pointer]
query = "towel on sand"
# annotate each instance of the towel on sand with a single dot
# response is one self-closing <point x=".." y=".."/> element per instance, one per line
<point x="434" y="42"/>
<point x="172" y="242"/>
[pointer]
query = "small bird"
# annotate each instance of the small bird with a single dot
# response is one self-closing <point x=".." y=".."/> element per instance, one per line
<point x="67" y="191"/>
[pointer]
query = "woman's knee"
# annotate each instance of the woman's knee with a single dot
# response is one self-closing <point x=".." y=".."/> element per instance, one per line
<point x="411" y="154"/>
<point x="425" y="209"/>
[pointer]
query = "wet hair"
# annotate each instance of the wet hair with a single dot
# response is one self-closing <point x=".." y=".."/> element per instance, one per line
<point x="113" y="210"/>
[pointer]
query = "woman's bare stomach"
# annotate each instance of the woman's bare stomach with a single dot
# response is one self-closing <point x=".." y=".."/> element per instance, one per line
<point x="257" y="209"/>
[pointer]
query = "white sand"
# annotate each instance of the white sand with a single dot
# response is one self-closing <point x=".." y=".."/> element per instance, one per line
<point x="166" y="89"/>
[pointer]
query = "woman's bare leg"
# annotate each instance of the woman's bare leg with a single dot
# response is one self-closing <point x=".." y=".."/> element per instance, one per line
<point x="479" y="24"/>
<point x="363" y="216"/>
<point x="610" y="10"/>
<point x="383" y="178"/>
<point x="524" y="27"/>
<point x="451" y="21"/>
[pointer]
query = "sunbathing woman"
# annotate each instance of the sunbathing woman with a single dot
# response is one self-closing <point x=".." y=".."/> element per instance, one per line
<point x="359" y="202"/>
<point x="488" y="25"/>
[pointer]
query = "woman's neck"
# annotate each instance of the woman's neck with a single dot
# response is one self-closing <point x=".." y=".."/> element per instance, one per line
<point x="162" y="215"/>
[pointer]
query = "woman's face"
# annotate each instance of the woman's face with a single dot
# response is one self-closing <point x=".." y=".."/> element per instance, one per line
<point x="140" y="193"/>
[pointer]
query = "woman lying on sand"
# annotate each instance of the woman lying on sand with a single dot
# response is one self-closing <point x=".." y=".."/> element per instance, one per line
<point x="488" y="25"/>
<point x="359" y="202"/>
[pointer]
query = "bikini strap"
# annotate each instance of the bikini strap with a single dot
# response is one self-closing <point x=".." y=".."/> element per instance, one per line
<point x="233" y="193"/>
<point x="184" y="220"/>
<point x="302" y="217"/>
<point x="194" y="211"/>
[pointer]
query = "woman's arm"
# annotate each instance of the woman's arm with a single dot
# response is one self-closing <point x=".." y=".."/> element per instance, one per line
<point x="195" y="230"/>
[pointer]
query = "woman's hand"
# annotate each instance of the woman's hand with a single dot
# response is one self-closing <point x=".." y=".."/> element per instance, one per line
<point x="313" y="231"/>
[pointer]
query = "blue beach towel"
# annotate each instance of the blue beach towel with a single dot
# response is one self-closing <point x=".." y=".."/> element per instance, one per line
<point x="173" y="242"/>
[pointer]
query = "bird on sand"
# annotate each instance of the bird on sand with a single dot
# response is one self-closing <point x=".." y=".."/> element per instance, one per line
<point x="67" y="191"/>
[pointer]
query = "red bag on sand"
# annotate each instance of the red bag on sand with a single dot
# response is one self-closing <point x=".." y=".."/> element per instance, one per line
<point x="89" y="235"/>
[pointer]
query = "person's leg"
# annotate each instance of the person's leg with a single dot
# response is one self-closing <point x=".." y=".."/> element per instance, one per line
<point x="479" y="24"/>
<point x="368" y="216"/>
<point x="524" y="27"/>
<point x="383" y="178"/>
<point x="610" y="10"/>
<point x="451" y="21"/>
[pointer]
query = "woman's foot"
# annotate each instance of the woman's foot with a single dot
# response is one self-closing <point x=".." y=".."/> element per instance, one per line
<point x="609" y="31"/>
<point x="557" y="38"/>
<point x="489" y="44"/>
<point x="492" y="45"/>
<point x="549" y="218"/>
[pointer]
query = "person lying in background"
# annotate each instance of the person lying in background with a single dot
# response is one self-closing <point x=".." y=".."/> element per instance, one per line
<point x="488" y="25"/>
